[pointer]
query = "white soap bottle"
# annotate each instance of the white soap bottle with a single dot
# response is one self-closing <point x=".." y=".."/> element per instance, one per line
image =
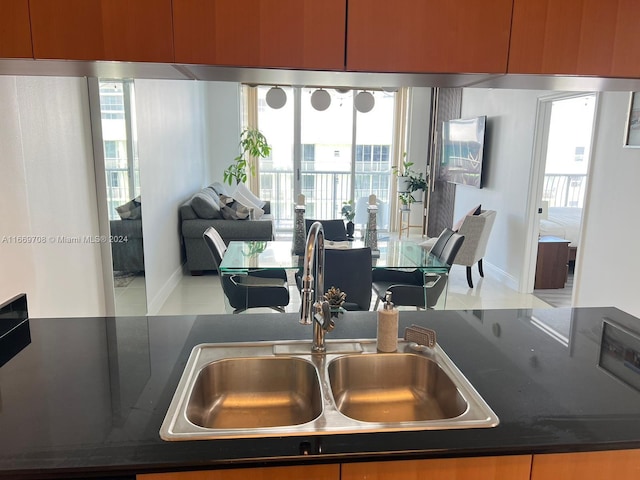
<point x="387" y="335"/>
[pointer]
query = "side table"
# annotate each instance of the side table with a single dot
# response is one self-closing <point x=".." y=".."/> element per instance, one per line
<point x="404" y="217"/>
<point x="553" y="262"/>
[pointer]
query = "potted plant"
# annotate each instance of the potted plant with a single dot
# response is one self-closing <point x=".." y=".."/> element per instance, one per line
<point x="335" y="298"/>
<point x="349" y="213"/>
<point x="405" y="200"/>
<point x="417" y="186"/>
<point x="411" y="185"/>
<point x="253" y="144"/>
<point x="403" y="173"/>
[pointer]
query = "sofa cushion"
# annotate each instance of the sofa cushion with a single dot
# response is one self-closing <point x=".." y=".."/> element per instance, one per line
<point x="231" y="209"/>
<point x="256" y="212"/>
<point x="249" y="195"/>
<point x="209" y="191"/>
<point x="220" y="189"/>
<point x="131" y="210"/>
<point x="205" y="206"/>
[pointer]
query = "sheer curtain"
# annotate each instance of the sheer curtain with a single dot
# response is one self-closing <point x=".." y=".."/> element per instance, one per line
<point x="250" y="120"/>
<point x="399" y="147"/>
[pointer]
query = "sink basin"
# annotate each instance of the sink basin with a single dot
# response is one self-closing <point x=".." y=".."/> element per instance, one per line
<point x="255" y="393"/>
<point x="268" y="389"/>
<point x="401" y="387"/>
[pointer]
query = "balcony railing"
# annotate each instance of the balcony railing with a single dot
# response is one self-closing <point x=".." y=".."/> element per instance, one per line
<point x="325" y="192"/>
<point x="564" y="190"/>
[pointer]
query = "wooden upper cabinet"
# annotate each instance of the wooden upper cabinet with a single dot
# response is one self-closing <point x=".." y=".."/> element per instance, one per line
<point x="15" y="31"/>
<point x="576" y="37"/>
<point x="305" y="34"/>
<point x="127" y="30"/>
<point x="439" y="36"/>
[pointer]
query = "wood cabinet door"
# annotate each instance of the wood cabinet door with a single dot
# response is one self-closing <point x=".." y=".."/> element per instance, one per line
<point x="575" y="37"/>
<point x="15" y="30"/>
<point x="481" y="468"/>
<point x="139" y="31"/>
<point x="308" y="472"/>
<point x="306" y="34"/>
<point x="437" y="36"/>
<point x="609" y="465"/>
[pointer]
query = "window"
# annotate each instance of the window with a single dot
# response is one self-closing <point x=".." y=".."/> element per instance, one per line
<point x="579" y="154"/>
<point x="308" y="153"/>
<point x="111" y="101"/>
<point x="373" y="158"/>
<point x="321" y="155"/>
<point x="118" y="132"/>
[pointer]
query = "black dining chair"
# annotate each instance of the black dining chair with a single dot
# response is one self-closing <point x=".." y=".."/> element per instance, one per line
<point x="415" y="287"/>
<point x="334" y="230"/>
<point x="350" y="270"/>
<point x="258" y="288"/>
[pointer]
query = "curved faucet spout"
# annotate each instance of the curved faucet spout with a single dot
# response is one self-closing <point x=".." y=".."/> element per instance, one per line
<point x="314" y="309"/>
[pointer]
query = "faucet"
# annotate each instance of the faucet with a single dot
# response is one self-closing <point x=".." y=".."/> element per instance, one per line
<point x="314" y="308"/>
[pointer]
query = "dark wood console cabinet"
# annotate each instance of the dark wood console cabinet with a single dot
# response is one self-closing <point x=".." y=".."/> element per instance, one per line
<point x="553" y="262"/>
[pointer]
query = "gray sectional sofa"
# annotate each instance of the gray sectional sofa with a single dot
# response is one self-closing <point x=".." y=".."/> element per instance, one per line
<point x="193" y="226"/>
<point x="128" y="255"/>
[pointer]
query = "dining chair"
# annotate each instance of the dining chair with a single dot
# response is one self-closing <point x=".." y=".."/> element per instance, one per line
<point x="258" y="288"/>
<point x="334" y="230"/>
<point x="476" y="229"/>
<point x="415" y="287"/>
<point x="350" y="270"/>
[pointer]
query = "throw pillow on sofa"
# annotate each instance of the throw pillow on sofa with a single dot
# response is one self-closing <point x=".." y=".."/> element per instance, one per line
<point x="255" y="212"/>
<point x="205" y="206"/>
<point x="220" y="189"/>
<point x="231" y="209"/>
<point x="131" y="210"/>
<point x="243" y="190"/>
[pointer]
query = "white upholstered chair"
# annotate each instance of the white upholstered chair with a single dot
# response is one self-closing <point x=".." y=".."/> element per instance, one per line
<point x="476" y="230"/>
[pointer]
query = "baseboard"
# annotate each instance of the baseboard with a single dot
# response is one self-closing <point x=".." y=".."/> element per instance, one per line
<point x="500" y="275"/>
<point x="156" y="304"/>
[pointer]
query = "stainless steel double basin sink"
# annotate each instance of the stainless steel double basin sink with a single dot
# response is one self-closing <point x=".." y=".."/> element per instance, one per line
<point x="268" y="389"/>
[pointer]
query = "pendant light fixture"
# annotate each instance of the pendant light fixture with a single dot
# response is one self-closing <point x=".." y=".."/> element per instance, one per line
<point x="320" y="100"/>
<point x="364" y="102"/>
<point x="276" y="97"/>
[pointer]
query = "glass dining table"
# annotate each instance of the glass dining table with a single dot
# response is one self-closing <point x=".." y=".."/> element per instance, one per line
<point x="242" y="256"/>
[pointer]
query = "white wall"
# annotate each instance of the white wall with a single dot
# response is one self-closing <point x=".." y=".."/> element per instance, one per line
<point x="48" y="191"/>
<point x="172" y="152"/>
<point x="511" y="118"/>
<point x="608" y="265"/>
<point x="223" y="126"/>
<point x="601" y="278"/>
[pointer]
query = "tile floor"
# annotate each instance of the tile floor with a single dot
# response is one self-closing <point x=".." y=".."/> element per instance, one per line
<point x="203" y="295"/>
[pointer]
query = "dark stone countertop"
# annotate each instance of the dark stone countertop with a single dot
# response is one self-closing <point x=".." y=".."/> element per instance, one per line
<point x="87" y="396"/>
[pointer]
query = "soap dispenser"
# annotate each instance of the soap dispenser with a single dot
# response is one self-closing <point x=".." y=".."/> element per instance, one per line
<point x="387" y="336"/>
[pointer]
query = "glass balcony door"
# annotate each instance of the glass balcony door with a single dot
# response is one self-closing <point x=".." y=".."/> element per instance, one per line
<point x="331" y="156"/>
<point x="326" y="167"/>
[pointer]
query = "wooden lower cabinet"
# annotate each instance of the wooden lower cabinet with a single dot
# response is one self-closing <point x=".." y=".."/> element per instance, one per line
<point x="474" y="468"/>
<point x="603" y="465"/>
<point x="609" y="465"/>
<point x="301" y="472"/>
